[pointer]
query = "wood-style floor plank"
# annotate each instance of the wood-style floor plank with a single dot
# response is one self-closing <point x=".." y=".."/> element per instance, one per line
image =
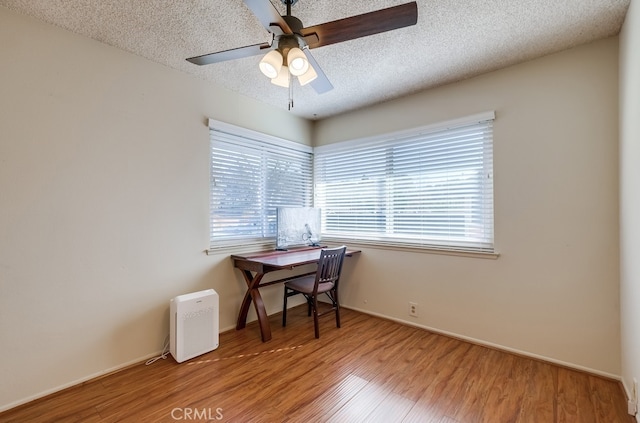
<point x="358" y="408"/>
<point x="443" y="382"/>
<point x="506" y="396"/>
<point x="539" y="403"/>
<point x="392" y="409"/>
<point x="574" y="398"/>
<point x="369" y="370"/>
<point x="327" y="403"/>
<point x="469" y="402"/>
<point x="608" y="403"/>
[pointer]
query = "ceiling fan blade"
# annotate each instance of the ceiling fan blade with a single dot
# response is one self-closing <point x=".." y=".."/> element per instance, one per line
<point x="362" y="25"/>
<point x="235" y="53"/>
<point x="268" y="15"/>
<point x="321" y="84"/>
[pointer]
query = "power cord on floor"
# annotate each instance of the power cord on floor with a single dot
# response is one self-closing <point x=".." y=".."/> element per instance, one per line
<point x="165" y="353"/>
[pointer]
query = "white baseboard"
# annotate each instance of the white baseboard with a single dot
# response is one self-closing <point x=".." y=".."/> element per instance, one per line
<point x="5" y="407"/>
<point x="493" y="345"/>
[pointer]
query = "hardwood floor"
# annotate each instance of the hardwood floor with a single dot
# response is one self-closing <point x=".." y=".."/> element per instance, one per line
<point x="370" y="370"/>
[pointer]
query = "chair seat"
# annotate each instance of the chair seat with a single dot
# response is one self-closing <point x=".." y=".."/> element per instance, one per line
<point x="325" y="281"/>
<point x="305" y="285"/>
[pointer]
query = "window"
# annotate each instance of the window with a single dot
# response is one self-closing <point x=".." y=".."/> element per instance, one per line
<point x="251" y="175"/>
<point x="429" y="187"/>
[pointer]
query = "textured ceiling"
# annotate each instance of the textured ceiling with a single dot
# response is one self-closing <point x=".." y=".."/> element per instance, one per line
<point x="452" y="40"/>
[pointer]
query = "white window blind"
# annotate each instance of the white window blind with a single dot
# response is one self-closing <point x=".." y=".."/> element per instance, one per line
<point x="428" y="188"/>
<point x="251" y="175"/>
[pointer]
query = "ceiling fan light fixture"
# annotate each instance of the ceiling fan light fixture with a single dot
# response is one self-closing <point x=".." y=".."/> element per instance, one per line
<point x="282" y="79"/>
<point x="308" y="76"/>
<point x="271" y="64"/>
<point x="297" y="62"/>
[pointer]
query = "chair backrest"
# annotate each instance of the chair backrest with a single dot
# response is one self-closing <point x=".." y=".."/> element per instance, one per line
<point x="330" y="266"/>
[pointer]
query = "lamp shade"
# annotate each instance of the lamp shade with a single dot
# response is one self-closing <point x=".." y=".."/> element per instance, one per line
<point x="282" y="79"/>
<point x="271" y="64"/>
<point x="308" y="76"/>
<point x="297" y="62"/>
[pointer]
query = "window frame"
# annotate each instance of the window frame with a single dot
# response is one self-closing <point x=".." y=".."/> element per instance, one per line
<point x="386" y="141"/>
<point x="269" y="242"/>
<point x="269" y="145"/>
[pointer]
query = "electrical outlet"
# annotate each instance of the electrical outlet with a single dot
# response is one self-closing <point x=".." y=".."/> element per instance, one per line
<point x="413" y="309"/>
<point x="632" y="408"/>
<point x="632" y="404"/>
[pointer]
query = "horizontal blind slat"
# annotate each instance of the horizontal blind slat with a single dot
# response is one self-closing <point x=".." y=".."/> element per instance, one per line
<point x="426" y="188"/>
<point x="249" y="179"/>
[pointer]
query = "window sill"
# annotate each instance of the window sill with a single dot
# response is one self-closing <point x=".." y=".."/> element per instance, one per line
<point x="412" y="248"/>
<point x="241" y="248"/>
<point x="269" y="246"/>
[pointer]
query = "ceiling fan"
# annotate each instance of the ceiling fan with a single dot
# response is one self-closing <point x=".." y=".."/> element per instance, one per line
<point x="287" y="53"/>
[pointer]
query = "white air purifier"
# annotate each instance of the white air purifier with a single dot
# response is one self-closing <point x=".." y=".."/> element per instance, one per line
<point x="193" y="328"/>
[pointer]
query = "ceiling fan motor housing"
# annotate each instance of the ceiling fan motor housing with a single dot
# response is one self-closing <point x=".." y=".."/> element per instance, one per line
<point x="287" y="42"/>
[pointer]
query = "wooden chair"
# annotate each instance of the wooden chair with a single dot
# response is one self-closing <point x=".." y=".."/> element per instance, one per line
<point x="325" y="281"/>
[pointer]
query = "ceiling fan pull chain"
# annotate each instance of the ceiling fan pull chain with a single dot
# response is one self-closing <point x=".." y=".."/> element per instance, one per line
<point x="290" y="92"/>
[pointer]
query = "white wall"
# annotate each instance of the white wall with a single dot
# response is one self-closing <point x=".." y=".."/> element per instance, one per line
<point x="630" y="196"/>
<point x="554" y="290"/>
<point x="103" y="203"/>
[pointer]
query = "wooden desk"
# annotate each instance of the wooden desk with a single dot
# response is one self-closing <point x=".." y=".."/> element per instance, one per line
<point x="255" y="265"/>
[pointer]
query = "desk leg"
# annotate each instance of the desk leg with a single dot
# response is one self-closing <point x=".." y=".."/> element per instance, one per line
<point x="253" y="294"/>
